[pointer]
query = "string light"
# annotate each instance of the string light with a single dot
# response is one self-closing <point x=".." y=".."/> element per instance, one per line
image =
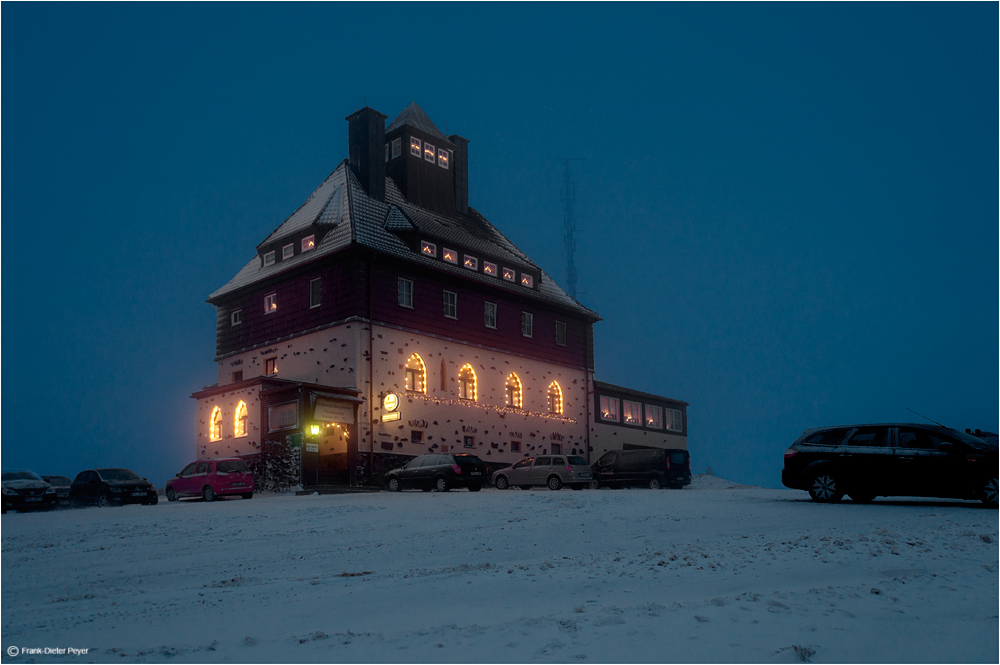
<point x="505" y="410"/>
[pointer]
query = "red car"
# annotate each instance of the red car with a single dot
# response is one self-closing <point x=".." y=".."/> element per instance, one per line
<point x="210" y="479"/>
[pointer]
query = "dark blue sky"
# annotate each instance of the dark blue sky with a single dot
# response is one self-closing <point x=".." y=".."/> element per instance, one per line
<point x="787" y="215"/>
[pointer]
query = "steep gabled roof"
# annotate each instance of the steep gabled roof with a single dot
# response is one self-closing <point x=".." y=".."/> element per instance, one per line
<point x="356" y="218"/>
<point x="414" y="116"/>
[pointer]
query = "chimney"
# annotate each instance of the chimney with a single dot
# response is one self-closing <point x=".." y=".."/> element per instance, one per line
<point x="365" y="150"/>
<point x="460" y="171"/>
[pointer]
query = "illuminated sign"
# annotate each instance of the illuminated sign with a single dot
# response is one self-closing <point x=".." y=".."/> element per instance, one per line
<point x="390" y="402"/>
<point x="390" y="416"/>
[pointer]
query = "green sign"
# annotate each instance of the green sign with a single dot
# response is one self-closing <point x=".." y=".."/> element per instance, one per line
<point x="295" y="440"/>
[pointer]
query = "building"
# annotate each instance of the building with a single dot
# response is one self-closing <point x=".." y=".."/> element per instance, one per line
<point x="386" y="318"/>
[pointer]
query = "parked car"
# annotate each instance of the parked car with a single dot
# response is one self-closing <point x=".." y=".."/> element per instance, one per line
<point x="552" y="471"/>
<point x="896" y="459"/>
<point x="106" y="487"/>
<point x="649" y="467"/>
<point x="211" y="479"/>
<point x="24" y="489"/>
<point x="440" y="472"/>
<point x="61" y="485"/>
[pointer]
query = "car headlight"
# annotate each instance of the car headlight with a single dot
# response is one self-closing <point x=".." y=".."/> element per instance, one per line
<point x="9" y="492"/>
<point x="49" y="490"/>
<point x="117" y="490"/>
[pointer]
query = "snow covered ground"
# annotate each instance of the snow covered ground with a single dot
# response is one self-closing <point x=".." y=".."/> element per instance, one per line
<point x="713" y="573"/>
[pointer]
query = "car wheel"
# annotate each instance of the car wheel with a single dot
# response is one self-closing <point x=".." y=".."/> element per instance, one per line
<point x="475" y="488"/>
<point x="440" y="484"/>
<point x="990" y="492"/>
<point x="501" y="482"/>
<point x="595" y="484"/>
<point x="171" y="494"/>
<point x="654" y="483"/>
<point x="248" y="495"/>
<point x="208" y="494"/>
<point x="554" y="483"/>
<point x="393" y="484"/>
<point x="862" y="497"/>
<point x="825" y="489"/>
<point x="103" y="501"/>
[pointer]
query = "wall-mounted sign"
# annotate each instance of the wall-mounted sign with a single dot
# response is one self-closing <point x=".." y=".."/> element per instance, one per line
<point x="386" y="417"/>
<point x="390" y="402"/>
<point x="312" y="447"/>
<point x="295" y="440"/>
<point x="333" y="411"/>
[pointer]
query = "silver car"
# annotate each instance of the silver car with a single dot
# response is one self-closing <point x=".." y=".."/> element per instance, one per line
<point x="552" y="471"/>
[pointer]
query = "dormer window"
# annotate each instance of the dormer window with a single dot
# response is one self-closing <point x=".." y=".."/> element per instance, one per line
<point x="397" y="147"/>
<point x="489" y="268"/>
<point x="450" y="255"/>
<point x="428" y="152"/>
<point x="428" y="248"/>
<point x="309" y="242"/>
<point x="288" y="251"/>
<point x="414" y="146"/>
<point x="527" y="280"/>
<point x="471" y="262"/>
<point x="269" y="259"/>
<point x="508" y="274"/>
<point x="236" y="317"/>
<point x="443" y="158"/>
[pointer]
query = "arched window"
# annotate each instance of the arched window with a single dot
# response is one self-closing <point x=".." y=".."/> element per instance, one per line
<point x="467" y="383"/>
<point x="416" y="374"/>
<point x="240" y="420"/>
<point x="555" y="398"/>
<point x="513" y="391"/>
<point x="215" y="425"/>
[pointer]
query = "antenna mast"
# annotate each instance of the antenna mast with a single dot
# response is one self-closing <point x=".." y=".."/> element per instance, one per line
<point x="568" y="198"/>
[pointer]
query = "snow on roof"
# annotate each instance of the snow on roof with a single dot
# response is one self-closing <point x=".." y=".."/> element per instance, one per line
<point x="414" y="116"/>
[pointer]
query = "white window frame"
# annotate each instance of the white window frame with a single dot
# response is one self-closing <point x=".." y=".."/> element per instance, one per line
<point x="676" y="420"/>
<point x="404" y="292"/>
<point x="510" y="274"/>
<point x="632" y="409"/>
<point x="288" y="251"/>
<point x="236" y="317"/>
<point x="527" y="280"/>
<point x="271" y="303"/>
<point x="490" y="314"/>
<point x="397" y="147"/>
<point x="449" y="256"/>
<point x="527" y="324"/>
<point x="416" y="147"/>
<point x="470" y="262"/>
<point x="450" y="304"/>
<point x="269" y="259"/>
<point x="428" y="248"/>
<point x="308" y="243"/>
<point x="444" y="158"/>
<point x="319" y="296"/>
<point x="561" y="333"/>
<point x="652" y="409"/>
<point x="489" y="268"/>
<point x="271" y="412"/>
<point x="430" y="152"/>
<point x="614" y="415"/>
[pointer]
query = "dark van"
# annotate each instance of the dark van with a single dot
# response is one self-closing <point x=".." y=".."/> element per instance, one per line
<point x="652" y="467"/>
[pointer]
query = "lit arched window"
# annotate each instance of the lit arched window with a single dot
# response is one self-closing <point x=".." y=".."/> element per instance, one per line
<point x="215" y="425"/>
<point x="467" y="383"/>
<point x="416" y="374"/>
<point x="513" y="391"/>
<point x="555" y="398"/>
<point x="240" y="421"/>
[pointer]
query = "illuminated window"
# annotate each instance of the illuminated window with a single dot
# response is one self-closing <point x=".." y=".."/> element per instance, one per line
<point x="269" y="259"/>
<point x="405" y="292"/>
<point x="674" y="422"/>
<point x="631" y="412"/>
<point x="270" y="303"/>
<point x="513" y="391"/>
<point x="309" y="242"/>
<point x="555" y="396"/>
<point x="527" y="280"/>
<point x="428" y="248"/>
<point x="609" y="408"/>
<point x="315" y="292"/>
<point x="240" y="420"/>
<point x="450" y="305"/>
<point x="527" y="324"/>
<point x="416" y="374"/>
<point x="236" y="318"/>
<point x="450" y="255"/>
<point x="508" y="274"/>
<point x="471" y="262"/>
<point x="288" y="251"/>
<point x="397" y="147"/>
<point x="490" y="268"/>
<point x="215" y="425"/>
<point x="443" y="158"/>
<point x="414" y="146"/>
<point x="428" y="152"/>
<point x="270" y="366"/>
<point x="654" y="416"/>
<point x="490" y="315"/>
<point x="561" y="333"/>
<point x="467" y="383"/>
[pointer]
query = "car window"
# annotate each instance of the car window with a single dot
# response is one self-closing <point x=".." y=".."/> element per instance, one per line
<point x="606" y="459"/>
<point x="92" y="477"/>
<point x="20" y="475"/>
<point x="189" y="469"/>
<point x="679" y="457"/>
<point x="869" y="436"/>
<point x="81" y="477"/>
<point x="468" y="458"/>
<point x="524" y="462"/>
<point x="921" y="439"/>
<point x="543" y="461"/>
<point x="559" y="461"/>
<point x="415" y="462"/>
<point x="577" y="461"/>
<point x="117" y="474"/>
<point x="829" y="437"/>
<point x="231" y="466"/>
<point x="202" y="467"/>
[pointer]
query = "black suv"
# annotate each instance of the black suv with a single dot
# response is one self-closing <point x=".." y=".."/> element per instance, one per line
<point x="651" y="467"/>
<point x="902" y="459"/>
<point x="439" y="472"/>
